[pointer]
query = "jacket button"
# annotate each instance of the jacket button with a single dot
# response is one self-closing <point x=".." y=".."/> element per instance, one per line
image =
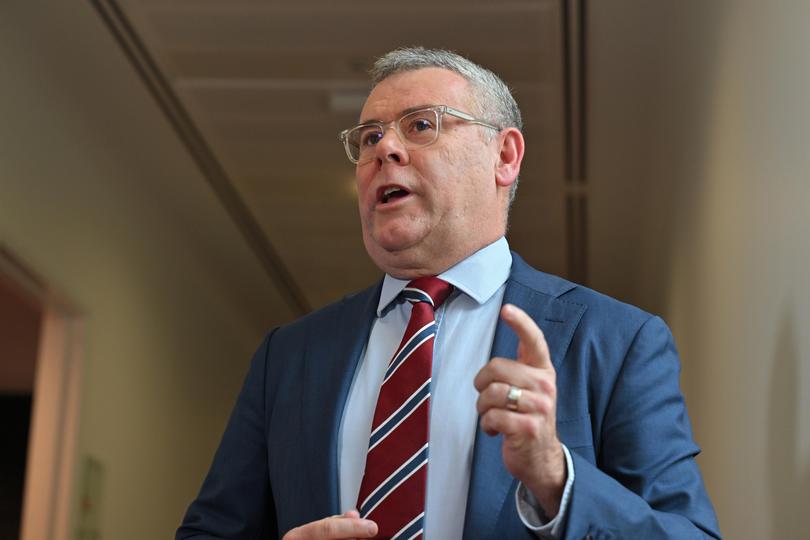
<point x="589" y="537"/>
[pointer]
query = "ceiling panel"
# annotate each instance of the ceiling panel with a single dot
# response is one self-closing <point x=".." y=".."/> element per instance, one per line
<point x="269" y="84"/>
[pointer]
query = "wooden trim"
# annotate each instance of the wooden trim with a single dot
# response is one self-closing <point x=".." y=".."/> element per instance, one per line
<point x="50" y="465"/>
<point x="575" y="124"/>
<point x="49" y="482"/>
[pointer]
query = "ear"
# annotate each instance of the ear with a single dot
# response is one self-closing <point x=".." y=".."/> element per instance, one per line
<point x="510" y="155"/>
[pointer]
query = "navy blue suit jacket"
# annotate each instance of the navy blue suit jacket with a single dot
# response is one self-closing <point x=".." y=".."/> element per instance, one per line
<point x="620" y="412"/>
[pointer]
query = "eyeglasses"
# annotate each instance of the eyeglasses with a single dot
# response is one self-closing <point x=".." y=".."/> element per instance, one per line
<point x="415" y="129"/>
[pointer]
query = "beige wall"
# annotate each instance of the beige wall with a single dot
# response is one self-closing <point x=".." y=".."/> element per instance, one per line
<point x="700" y="170"/>
<point x="98" y="196"/>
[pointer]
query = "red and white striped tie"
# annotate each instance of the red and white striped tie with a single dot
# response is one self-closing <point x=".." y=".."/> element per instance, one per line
<point x="392" y="492"/>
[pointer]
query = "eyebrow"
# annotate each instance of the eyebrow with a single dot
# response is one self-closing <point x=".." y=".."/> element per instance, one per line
<point x="399" y="115"/>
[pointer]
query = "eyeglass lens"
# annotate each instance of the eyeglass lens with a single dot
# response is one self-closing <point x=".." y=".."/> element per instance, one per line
<point x="418" y="128"/>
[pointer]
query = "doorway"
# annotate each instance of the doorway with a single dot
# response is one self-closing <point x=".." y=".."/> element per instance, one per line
<point x="39" y="398"/>
<point x="20" y="324"/>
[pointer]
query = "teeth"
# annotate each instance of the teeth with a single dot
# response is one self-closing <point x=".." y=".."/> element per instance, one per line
<point x="386" y="195"/>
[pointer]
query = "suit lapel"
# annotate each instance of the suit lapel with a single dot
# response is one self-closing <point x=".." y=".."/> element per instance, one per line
<point x="330" y="362"/>
<point x="490" y="481"/>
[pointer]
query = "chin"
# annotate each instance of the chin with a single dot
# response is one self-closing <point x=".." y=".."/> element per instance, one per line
<point x="394" y="241"/>
<point x="394" y="260"/>
<point x="407" y="263"/>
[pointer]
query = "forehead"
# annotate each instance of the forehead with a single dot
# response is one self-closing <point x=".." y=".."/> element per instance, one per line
<point x="422" y="87"/>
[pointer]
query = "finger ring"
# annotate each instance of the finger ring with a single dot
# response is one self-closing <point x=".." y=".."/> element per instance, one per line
<point x="513" y="398"/>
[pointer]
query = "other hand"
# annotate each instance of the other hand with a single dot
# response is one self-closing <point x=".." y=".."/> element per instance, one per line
<point x="531" y="450"/>
<point x="348" y="525"/>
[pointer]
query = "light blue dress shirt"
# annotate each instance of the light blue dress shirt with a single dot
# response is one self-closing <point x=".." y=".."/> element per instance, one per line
<point x="466" y="328"/>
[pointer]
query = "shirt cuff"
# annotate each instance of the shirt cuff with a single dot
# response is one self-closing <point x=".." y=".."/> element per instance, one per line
<point x="533" y="516"/>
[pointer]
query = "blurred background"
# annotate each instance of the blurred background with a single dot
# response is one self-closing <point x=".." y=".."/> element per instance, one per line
<point x="172" y="187"/>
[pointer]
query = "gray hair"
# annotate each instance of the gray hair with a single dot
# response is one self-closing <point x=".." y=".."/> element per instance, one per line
<point x="490" y="94"/>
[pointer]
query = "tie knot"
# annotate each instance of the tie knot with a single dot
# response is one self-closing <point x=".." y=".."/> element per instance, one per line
<point x="428" y="289"/>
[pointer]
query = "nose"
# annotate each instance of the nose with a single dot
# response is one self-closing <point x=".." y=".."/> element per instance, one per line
<point x="391" y="149"/>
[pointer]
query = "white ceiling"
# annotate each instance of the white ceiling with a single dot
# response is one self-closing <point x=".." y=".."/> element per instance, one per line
<point x="269" y="84"/>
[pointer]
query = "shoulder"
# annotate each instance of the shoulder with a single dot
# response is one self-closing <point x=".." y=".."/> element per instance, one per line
<point x="602" y="336"/>
<point x="327" y="333"/>
<point x="357" y="307"/>
<point x="600" y="312"/>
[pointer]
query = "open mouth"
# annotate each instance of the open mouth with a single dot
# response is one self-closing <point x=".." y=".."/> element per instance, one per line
<point x="391" y="193"/>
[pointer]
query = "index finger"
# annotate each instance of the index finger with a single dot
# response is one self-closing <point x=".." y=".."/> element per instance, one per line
<point x="533" y="349"/>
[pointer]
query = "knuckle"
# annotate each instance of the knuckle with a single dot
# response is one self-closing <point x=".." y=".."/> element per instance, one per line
<point x="529" y="426"/>
<point x="544" y="405"/>
<point x="493" y="367"/>
<point x="490" y="419"/>
<point x="493" y="391"/>
<point x="532" y="402"/>
<point x="328" y="528"/>
<point x="547" y="386"/>
<point x="485" y="376"/>
<point x="534" y="383"/>
<point x="480" y="406"/>
<point x="501" y="365"/>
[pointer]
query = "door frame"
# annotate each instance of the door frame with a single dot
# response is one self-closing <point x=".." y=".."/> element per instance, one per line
<point x="52" y="440"/>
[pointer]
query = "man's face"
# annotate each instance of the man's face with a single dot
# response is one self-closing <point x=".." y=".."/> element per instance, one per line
<point x="448" y="203"/>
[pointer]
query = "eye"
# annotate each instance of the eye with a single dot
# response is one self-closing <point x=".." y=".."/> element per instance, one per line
<point x="370" y="136"/>
<point x="419" y="124"/>
<point x="422" y="124"/>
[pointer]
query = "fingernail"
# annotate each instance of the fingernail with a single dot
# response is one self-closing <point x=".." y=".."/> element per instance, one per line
<point x="371" y="527"/>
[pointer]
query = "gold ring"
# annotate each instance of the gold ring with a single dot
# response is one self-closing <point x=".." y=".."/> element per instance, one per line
<point x="513" y="398"/>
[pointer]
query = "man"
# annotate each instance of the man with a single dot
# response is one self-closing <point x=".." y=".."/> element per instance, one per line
<point x="553" y="411"/>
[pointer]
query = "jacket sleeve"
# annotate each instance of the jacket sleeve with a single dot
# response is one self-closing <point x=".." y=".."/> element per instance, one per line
<point x="236" y="499"/>
<point x="645" y="482"/>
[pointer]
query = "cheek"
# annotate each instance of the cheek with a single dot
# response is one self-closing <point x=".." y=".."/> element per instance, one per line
<point x="362" y="181"/>
<point x="464" y="177"/>
<point x="447" y="171"/>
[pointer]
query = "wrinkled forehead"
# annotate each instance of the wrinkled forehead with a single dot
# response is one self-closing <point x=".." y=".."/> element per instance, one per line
<point x="408" y="90"/>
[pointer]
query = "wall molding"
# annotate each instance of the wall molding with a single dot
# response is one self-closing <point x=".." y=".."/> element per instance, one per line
<point x="575" y="121"/>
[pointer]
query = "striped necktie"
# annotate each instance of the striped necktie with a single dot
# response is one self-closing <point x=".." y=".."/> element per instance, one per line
<point x="392" y="492"/>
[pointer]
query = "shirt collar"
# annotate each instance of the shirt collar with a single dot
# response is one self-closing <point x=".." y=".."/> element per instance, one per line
<point x="479" y="276"/>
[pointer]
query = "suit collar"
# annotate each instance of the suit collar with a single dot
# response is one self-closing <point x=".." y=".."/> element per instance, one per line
<point x="479" y="276"/>
<point x="540" y="282"/>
